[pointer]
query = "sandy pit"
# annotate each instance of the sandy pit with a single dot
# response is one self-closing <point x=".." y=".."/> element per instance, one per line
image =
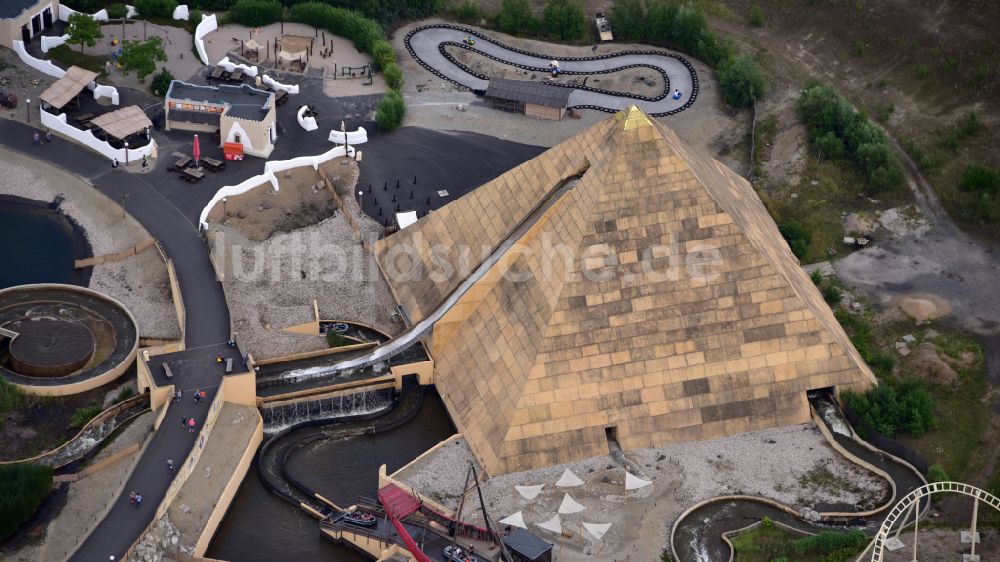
<point x="923" y="306"/>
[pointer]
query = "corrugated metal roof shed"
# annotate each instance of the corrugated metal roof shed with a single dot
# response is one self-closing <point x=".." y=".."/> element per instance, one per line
<point x="528" y="92"/>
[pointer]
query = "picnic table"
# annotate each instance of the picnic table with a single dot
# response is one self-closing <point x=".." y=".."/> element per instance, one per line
<point x="191" y="175"/>
<point x="213" y="164"/>
<point x="178" y="154"/>
<point x="182" y="163"/>
<point x="84" y="117"/>
<point x="237" y="75"/>
<point x="218" y="73"/>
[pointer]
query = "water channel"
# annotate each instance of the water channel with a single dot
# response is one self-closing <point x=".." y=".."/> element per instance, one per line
<point x="339" y="463"/>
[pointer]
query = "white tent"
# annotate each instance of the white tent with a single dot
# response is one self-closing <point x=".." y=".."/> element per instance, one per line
<point x="569" y="505"/>
<point x="568" y="480"/>
<point x="515" y="520"/>
<point x="553" y="525"/>
<point x="634" y="482"/>
<point x="597" y="529"/>
<point x="406" y="218"/>
<point x="529" y="492"/>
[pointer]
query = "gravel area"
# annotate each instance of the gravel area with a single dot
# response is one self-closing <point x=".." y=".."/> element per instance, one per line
<point x="87" y="500"/>
<point x="793" y="465"/>
<point x="271" y="285"/>
<point x="141" y="282"/>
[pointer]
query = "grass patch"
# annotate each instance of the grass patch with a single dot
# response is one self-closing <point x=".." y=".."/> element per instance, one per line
<point x="333" y="339"/>
<point x="22" y="489"/>
<point x="67" y="57"/>
<point x="769" y="542"/>
<point x="83" y="415"/>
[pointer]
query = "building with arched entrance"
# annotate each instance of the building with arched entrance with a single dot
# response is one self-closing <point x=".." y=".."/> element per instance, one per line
<point x="24" y="19"/>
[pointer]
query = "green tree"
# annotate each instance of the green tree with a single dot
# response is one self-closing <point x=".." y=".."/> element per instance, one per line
<point x="117" y="11"/>
<point x="393" y="76"/>
<point x="564" y="19"/>
<point x="628" y="19"/>
<point x="255" y="13"/>
<point x="741" y="81"/>
<point x="660" y="18"/>
<point x="161" y="82"/>
<point x="391" y="111"/>
<point x="156" y="8"/>
<point x="83" y="30"/>
<point x="515" y="17"/>
<point x="142" y="56"/>
<point x="797" y="236"/>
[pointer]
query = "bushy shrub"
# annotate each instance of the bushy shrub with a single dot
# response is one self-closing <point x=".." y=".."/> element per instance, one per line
<point x="255" y="13"/>
<point x="361" y="31"/>
<point x="161" y="82"/>
<point x="22" y="489"/>
<point x="212" y="4"/>
<point x="863" y="338"/>
<point x="85" y="6"/>
<point x="981" y="179"/>
<point x="828" y="542"/>
<point x="155" y="8"/>
<point x="117" y="11"/>
<point x="832" y="295"/>
<point x="382" y="54"/>
<point x="515" y="17"/>
<point x="741" y="81"/>
<point x="391" y="111"/>
<point x="904" y="406"/>
<point x="468" y="12"/>
<point x="937" y="473"/>
<point x="828" y="116"/>
<point x="393" y="76"/>
<point x="756" y="16"/>
<point x="564" y="19"/>
<point x="797" y="236"/>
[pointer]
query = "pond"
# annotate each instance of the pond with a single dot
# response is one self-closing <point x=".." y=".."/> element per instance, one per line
<point x="39" y="244"/>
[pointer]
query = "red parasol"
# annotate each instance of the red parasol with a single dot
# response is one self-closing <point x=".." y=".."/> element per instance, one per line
<point x="196" y="152"/>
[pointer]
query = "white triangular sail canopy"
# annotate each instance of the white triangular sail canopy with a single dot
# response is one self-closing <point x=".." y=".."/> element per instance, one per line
<point x="515" y="520"/>
<point x="553" y="525"/>
<point x="634" y="482"/>
<point x="569" y="505"/>
<point x="529" y="492"/>
<point x="568" y="479"/>
<point x="597" y="529"/>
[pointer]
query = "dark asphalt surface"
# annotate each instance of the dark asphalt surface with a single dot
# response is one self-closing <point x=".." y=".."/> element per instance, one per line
<point x="207" y="325"/>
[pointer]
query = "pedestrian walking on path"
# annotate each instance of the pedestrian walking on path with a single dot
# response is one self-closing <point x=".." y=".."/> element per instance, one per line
<point x="131" y="497"/>
<point x="178" y="395"/>
<point x="197" y="396"/>
<point x="36" y="138"/>
<point x="190" y="425"/>
<point x="138" y="500"/>
<point x="184" y="421"/>
<point x="170" y="465"/>
<point x="48" y="136"/>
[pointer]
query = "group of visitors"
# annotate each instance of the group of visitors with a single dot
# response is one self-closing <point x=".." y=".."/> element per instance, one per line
<point x="135" y="498"/>
<point x="37" y="138"/>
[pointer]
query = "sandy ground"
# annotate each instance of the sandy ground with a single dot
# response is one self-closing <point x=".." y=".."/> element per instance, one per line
<point x="141" y="282"/>
<point x="271" y="285"/>
<point x="220" y="43"/>
<point x="436" y="104"/>
<point x="263" y="211"/>
<point x="24" y="82"/>
<point x="177" y="42"/>
<point x="782" y="464"/>
<point x="641" y="81"/>
<point x="88" y="499"/>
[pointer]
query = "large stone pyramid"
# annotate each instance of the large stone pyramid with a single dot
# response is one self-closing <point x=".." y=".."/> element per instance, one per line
<point x="649" y="298"/>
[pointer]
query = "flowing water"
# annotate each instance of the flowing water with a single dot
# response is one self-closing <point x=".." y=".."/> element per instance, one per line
<point x="340" y="464"/>
<point x="283" y="416"/>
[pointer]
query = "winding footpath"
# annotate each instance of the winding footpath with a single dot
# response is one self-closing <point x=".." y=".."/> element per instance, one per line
<point x="207" y="323"/>
<point x="429" y="45"/>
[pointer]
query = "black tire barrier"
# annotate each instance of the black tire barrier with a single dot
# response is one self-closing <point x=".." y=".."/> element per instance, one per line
<point x="479" y="34"/>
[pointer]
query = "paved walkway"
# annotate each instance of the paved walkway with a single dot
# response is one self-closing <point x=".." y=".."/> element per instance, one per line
<point x="207" y="325"/>
<point x="425" y="41"/>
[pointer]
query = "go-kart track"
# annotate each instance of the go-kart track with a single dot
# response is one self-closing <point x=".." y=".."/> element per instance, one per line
<point x="427" y="44"/>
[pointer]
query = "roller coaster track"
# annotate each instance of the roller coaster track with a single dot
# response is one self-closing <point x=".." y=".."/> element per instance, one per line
<point x="429" y="45"/>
